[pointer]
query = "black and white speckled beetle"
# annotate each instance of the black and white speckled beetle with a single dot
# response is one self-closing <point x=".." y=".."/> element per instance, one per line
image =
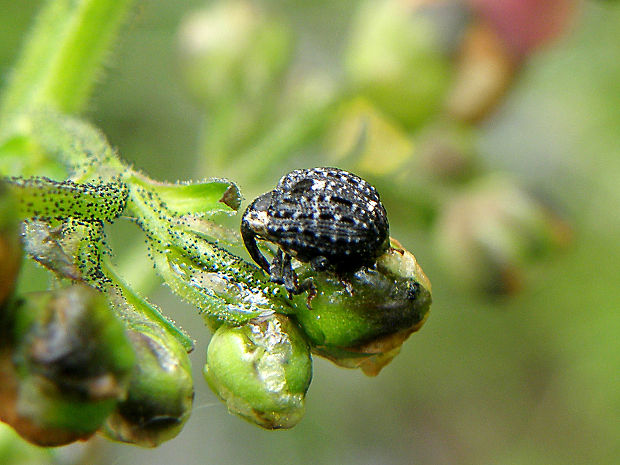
<point x="325" y="216"/>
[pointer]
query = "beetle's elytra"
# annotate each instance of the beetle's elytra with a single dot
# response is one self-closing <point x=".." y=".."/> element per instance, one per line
<point x="325" y="216"/>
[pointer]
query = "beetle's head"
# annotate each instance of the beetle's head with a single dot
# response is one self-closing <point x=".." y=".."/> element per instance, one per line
<point x="256" y="217"/>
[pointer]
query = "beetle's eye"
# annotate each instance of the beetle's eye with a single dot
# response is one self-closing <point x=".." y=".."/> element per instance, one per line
<point x="262" y="202"/>
<point x="302" y="186"/>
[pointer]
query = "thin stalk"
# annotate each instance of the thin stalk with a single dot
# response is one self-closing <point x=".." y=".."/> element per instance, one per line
<point x="62" y="56"/>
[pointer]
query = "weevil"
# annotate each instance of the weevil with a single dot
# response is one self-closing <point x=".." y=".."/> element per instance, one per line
<point x="327" y="217"/>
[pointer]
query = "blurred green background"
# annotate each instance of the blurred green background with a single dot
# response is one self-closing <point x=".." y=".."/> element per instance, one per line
<point x="527" y="378"/>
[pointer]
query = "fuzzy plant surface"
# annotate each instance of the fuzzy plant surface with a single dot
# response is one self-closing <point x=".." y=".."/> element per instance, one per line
<point x="90" y="353"/>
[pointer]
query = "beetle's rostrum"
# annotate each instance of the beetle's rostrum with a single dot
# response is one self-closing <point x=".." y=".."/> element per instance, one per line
<point x="327" y="217"/>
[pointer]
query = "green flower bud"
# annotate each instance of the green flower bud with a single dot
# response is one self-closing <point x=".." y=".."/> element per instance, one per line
<point x="262" y="370"/>
<point x="68" y="366"/>
<point x="365" y="325"/>
<point x="160" y="394"/>
<point x="489" y="233"/>
<point x="395" y="59"/>
<point x="231" y="52"/>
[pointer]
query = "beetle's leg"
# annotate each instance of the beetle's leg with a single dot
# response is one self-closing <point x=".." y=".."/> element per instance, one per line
<point x="290" y="277"/>
<point x="319" y="263"/>
<point x="249" y="239"/>
<point x="276" y="270"/>
<point x="287" y="276"/>
<point x="308" y="285"/>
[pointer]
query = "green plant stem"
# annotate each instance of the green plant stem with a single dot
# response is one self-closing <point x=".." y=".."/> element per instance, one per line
<point x="44" y="198"/>
<point x="62" y="57"/>
<point x="144" y="313"/>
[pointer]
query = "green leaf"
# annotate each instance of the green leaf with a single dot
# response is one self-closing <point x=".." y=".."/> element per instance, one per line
<point x="140" y="314"/>
<point x="195" y="198"/>
<point x="221" y="286"/>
